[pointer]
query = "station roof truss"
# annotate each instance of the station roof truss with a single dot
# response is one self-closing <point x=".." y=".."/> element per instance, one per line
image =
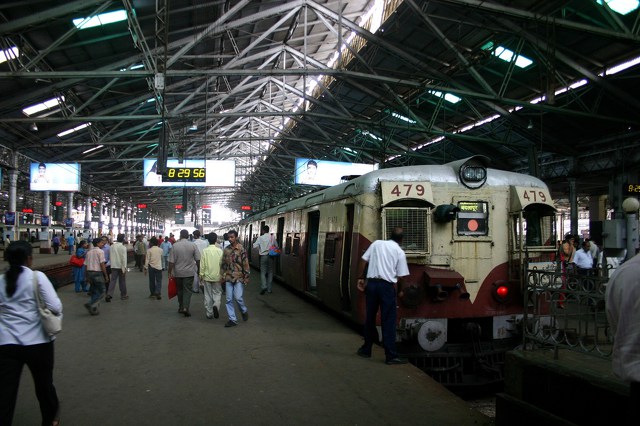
<point x="546" y="87"/>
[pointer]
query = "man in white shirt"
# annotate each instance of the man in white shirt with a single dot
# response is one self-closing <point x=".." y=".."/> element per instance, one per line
<point x="387" y="264"/>
<point x="118" y="257"/>
<point x="583" y="259"/>
<point x="263" y="242"/>
<point x="622" y="300"/>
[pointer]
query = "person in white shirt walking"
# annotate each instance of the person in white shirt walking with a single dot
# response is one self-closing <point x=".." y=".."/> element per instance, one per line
<point x="23" y="339"/>
<point x="263" y="243"/>
<point x="153" y="265"/>
<point x="385" y="263"/>
<point x="118" y="256"/>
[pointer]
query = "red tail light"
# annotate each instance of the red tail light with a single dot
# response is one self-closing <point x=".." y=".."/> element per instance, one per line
<point x="501" y="291"/>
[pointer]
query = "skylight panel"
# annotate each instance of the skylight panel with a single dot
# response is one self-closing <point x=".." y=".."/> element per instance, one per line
<point x="447" y="96"/>
<point x="371" y="135"/>
<point x="48" y="104"/>
<point x="92" y="149"/>
<point x="75" y="129"/>
<point x="623" y="7"/>
<point x="101" y="19"/>
<point x="403" y="118"/>
<point x="507" y="55"/>
<point x="9" y="54"/>
<point x="621" y="67"/>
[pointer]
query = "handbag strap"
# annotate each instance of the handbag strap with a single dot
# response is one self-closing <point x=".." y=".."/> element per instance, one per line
<point x="36" y="289"/>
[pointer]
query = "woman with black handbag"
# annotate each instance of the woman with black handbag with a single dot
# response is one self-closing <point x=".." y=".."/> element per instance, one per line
<point x="23" y="339"/>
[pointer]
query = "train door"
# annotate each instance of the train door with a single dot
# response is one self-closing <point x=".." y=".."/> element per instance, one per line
<point x="279" y="237"/>
<point x="313" y="225"/>
<point x="345" y="293"/>
<point x="247" y="242"/>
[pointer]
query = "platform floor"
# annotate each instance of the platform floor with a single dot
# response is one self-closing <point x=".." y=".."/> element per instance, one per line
<point x="141" y="363"/>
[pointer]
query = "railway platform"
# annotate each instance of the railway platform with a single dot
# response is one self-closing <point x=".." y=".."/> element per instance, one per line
<point x="139" y="362"/>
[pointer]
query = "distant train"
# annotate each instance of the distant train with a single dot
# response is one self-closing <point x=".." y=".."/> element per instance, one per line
<point x="470" y="234"/>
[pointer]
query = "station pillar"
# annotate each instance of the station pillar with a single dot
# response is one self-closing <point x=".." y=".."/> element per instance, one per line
<point x="10" y="233"/>
<point x="70" y="211"/>
<point x="45" y="243"/>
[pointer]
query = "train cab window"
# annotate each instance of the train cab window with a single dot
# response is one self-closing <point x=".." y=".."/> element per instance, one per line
<point x="288" y="244"/>
<point x="414" y="222"/>
<point x="473" y="218"/>
<point x="296" y="244"/>
<point x="330" y="249"/>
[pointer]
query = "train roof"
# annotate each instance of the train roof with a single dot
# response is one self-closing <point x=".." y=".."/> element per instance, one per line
<point x="446" y="173"/>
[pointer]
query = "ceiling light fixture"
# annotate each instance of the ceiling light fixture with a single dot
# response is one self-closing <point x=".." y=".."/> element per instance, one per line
<point x="530" y="125"/>
<point x="33" y="127"/>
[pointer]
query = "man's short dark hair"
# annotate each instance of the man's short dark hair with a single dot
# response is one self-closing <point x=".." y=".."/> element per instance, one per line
<point x="265" y="228"/>
<point x="233" y="232"/>
<point x="312" y="163"/>
<point x="196" y="233"/>
<point x="397" y="234"/>
<point x="96" y="241"/>
<point x="212" y="238"/>
<point x="120" y="238"/>
<point x="153" y="241"/>
<point x="184" y="234"/>
<point x="42" y="166"/>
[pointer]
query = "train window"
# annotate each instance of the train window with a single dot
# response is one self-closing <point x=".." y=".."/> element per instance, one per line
<point x="288" y="244"/>
<point x="414" y="222"/>
<point x="473" y="218"/>
<point x="330" y="248"/>
<point x="296" y="244"/>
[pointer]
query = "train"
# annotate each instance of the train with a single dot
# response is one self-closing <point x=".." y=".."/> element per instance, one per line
<point x="470" y="234"/>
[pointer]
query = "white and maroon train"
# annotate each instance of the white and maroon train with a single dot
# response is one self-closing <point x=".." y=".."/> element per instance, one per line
<point x="470" y="233"/>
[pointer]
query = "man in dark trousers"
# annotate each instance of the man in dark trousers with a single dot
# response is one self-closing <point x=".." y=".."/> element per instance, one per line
<point x="184" y="264"/>
<point x="385" y="263"/>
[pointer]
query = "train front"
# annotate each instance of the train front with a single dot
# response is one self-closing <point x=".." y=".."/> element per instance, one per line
<point x="468" y="237"/>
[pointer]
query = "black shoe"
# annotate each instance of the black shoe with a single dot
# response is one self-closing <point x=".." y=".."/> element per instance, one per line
<point x="230" y="324"/>
<point x="186" y="313"/>
<point x="108" y="299"/>
<point x="363" y="353"/>
<point x="263" y="292"/>
<point x="245" y="316"/>
<point x="216" y="314"/>
<point x="396" y="361"/>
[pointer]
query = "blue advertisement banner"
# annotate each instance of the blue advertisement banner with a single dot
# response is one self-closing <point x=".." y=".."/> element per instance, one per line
<point x="45" y="221"/>
<point x="10" y="218"/>
<point x="68" y="222"/>
<point x="87" y="224"/>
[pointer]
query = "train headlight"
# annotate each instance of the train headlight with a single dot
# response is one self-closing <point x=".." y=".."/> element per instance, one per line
<point x="432" y="335"/>
<point x="501" y="291"/>
<point x="473" y="175"/>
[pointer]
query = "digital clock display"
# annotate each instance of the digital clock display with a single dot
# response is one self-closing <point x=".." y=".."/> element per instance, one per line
<point x="185" y="174"/>
<point x="632" y="188"/>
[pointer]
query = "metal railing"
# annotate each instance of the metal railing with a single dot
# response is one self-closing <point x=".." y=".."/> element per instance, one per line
<point x="566" y="310"/>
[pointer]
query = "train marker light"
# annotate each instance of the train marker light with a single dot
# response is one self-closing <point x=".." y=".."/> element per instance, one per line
<point x="501" y="291"/>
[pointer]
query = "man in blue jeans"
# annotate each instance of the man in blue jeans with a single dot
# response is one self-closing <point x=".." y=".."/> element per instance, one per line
<point x="385" y="263"/>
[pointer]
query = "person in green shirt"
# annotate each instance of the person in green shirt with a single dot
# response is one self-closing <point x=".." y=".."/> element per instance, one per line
<point x="210" y="277"/>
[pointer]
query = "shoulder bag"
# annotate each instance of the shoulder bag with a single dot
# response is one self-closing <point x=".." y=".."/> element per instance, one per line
<point x="274" y="250"/>
<point x="51" y="322"/>
<point x="76" y="261"/>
